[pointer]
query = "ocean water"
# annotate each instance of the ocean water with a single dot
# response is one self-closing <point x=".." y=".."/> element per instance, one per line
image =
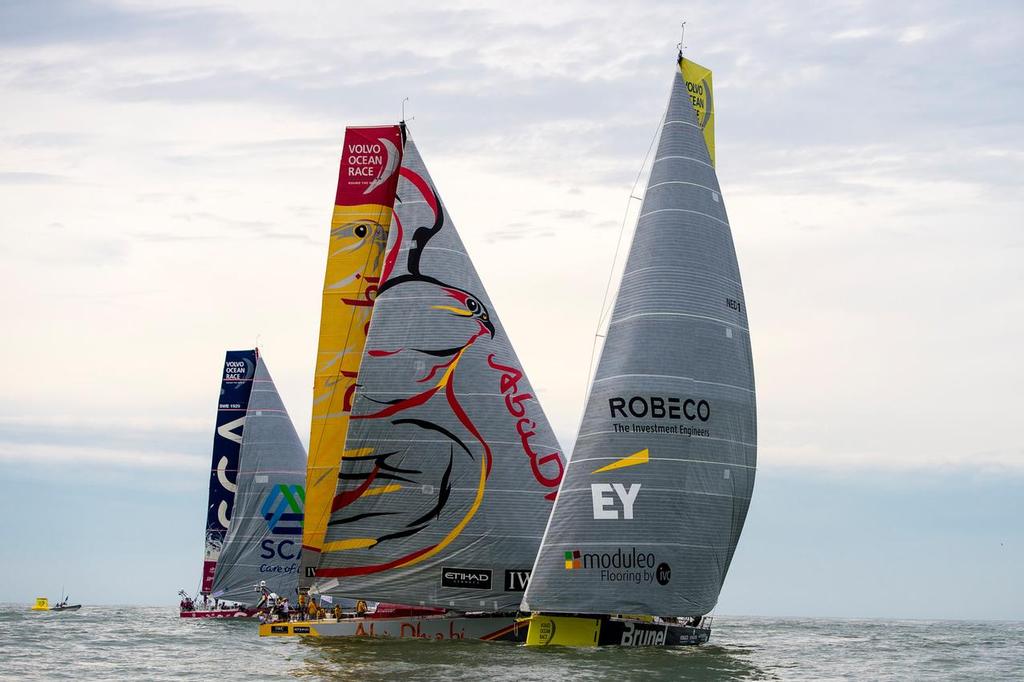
<point x="136" y="643"/>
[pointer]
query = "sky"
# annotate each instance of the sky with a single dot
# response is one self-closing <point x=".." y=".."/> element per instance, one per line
<point x="167" y="171"/>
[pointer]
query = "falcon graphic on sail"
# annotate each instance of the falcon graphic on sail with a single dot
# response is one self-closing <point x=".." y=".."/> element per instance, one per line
<point x="450" y="466"/>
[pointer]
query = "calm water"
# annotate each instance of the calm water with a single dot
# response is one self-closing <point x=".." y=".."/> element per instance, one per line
<point x="153" y="643"/>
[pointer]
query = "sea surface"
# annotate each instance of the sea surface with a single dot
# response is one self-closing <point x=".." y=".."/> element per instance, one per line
<point x="142" y="643"/>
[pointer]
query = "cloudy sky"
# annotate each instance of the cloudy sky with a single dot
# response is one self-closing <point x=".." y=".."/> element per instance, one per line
<point x="166" y="178"/>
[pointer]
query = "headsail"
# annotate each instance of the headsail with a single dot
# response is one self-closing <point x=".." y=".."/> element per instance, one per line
<point x="362" y="212"/>
<point x="450" y="465"/>
<point x="236" y="383"/>
<point x="658" y="486"/>
<point x="265" y="535"/>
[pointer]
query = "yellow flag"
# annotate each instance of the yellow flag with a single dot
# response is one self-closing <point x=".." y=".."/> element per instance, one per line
<point x="699" y="87"/>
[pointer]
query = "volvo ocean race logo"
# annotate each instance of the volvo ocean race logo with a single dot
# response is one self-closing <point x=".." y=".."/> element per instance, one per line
<point x="371" y="163"/>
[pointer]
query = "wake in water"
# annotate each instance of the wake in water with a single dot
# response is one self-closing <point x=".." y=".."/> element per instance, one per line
<point x="127" y="642"/>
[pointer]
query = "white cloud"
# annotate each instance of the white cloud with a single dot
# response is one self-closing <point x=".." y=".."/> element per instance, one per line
<point x="856" y="33"/>
<point x="913" y="34"/>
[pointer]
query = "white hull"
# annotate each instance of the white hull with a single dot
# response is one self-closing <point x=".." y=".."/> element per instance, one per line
<point x="487" y="628"/>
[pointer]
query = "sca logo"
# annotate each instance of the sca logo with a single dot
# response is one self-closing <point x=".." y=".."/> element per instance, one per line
<point x="282" y="509"/>
<point x="615" y="500"/>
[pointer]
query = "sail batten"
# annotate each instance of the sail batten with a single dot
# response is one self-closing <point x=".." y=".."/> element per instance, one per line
<point x="654" y="534"/>
<point x="445" y="421"/>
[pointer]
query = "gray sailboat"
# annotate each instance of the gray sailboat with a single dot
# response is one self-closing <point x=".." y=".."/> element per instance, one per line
<point x="261" y="551"/>
<point x="657" y="489"/>
<point x="450" y="466"/>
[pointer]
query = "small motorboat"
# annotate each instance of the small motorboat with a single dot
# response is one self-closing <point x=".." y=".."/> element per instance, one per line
<point x="43" y="604"/>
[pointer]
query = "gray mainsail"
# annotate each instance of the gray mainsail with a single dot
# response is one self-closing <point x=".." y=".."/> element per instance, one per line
<point x="450" y="465"/>
<point x="657" y="488"/>
<point x="265" y="536"/>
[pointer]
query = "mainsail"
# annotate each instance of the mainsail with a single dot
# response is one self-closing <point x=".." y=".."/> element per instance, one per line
<point x="362" y="212"/>
<point x="264" y="537"/>
<point x="657" y="489"/>
<point x="236" y="383"/>
<point x="450" y="464"/>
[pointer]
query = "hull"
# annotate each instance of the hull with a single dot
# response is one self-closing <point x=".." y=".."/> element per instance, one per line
<point x="610" y="631"/>
<point x="221" y="613"/>
<point x="486" y="628"/>
<point x="73" y="607"/>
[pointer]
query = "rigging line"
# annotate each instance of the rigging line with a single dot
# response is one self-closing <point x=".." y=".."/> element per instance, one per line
<point x="625" y="219"/>
<point x="605" y="309"/>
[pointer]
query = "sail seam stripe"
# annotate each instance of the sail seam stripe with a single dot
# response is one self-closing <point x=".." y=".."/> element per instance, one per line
<point x="666" y="490"/>
<point x="685" y="210"/>
<point x="424" y="440"/>
<point x="667" y="314"/>
<point x="683" y="182"/>
<point x="706" y="275"/>
<point x="684" y="123"/>
<point x="720" y="440"/>
<point x="637" y="544"/>
<point x="493" y="395"/>
<point x="441" y="248"/>
<point x="687" y="158"/>
<point x="674" y="459"/>
<point x="670" y="376"/>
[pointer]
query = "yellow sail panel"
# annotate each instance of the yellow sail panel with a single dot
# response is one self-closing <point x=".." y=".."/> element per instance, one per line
<point x="359" y="228"/>
<point x="700" y="89"/>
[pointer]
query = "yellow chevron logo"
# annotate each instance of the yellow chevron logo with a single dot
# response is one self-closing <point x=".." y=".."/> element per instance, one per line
<point x="641" y="457"/>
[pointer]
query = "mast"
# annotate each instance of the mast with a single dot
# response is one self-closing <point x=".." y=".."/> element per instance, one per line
<point x="367" y="178"/>
<point x="657" y="490"/>
<point x="235" y="387"/>
<point x="265" y="535"/>
<point x="450" y="464"/>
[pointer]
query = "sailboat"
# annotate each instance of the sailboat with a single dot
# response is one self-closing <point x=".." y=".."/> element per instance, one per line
<point x="260" y="556"/>
<point x="256" y="495"/>
<point x="657" y="489"/>
<point x="449" y="466"/>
